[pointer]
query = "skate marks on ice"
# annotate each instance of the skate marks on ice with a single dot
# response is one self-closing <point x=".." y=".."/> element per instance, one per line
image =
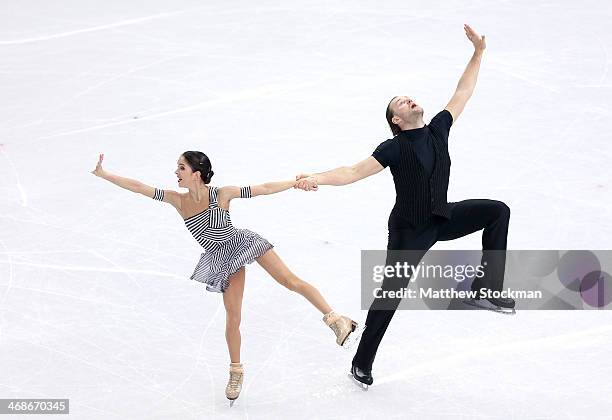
<point x="118" y="24"/>
<point x="339" y="387"/>
<point x="22" y="192"/>
<point x="285" y="336"/>
<point x="258" y="92"/>
<point x="588" y="338"/>
<point x="323" y="383"/>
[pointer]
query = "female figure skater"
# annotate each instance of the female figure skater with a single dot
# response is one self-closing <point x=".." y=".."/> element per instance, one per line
<point x="205" y="211"/>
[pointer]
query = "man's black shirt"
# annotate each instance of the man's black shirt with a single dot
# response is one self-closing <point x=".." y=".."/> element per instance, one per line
<point x="420" y="140"/>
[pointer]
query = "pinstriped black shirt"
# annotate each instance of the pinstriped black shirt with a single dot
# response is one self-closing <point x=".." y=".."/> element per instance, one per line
<point x="420" y="165"/>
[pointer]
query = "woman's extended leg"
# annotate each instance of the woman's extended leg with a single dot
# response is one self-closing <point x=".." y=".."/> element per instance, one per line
<point x="272" y="263"/>
<point x="232" y="299"/>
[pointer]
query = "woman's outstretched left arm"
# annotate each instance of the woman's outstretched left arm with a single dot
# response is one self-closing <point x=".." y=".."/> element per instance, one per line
<point x="230" y="192"/>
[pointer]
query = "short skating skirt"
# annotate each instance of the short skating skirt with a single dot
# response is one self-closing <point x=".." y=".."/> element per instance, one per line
<point x="217" y="264"/>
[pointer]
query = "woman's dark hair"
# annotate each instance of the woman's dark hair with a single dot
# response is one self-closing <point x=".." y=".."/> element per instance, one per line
<point x="198" y="161"/>
<point x="395" y="129"/>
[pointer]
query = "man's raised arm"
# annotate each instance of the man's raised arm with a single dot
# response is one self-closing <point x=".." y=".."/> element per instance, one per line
<point x="467" y="83"/>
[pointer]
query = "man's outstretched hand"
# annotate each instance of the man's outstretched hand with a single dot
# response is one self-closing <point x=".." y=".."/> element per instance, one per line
<point x="306" y="182"/>
<point x="479" y="41"/>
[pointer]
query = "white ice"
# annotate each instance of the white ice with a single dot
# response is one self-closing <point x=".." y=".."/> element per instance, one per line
<point x="95" y="300"/>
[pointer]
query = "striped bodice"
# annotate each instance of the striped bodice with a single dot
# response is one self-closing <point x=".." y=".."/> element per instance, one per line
<point x="213" y="225"/>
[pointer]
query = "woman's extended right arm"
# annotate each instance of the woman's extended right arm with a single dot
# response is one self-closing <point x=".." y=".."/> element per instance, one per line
<point x="168" y="196"/>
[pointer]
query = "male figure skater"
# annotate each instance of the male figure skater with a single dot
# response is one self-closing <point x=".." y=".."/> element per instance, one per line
<point x="420" y="164"/>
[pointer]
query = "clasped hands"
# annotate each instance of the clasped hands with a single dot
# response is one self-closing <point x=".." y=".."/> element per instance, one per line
<point x="306" y="182"/>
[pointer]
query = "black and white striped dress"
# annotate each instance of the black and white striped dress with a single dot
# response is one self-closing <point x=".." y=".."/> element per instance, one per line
<point x="227" y="248"/>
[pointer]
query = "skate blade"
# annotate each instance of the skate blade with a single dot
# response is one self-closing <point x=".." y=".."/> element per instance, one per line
<point x="485" y="304"/>
<point x="364" y="387"/>
<point x="353" y="337"/>
<point x="231" y="402"/>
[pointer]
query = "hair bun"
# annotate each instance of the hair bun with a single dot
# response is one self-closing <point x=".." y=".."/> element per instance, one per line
<point x="199" y="162"/>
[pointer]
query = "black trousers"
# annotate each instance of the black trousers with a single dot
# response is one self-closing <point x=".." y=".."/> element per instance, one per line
<point x="467" y="216"/>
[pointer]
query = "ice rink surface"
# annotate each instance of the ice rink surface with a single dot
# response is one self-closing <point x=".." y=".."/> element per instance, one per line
<point x="96" y="304"/>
